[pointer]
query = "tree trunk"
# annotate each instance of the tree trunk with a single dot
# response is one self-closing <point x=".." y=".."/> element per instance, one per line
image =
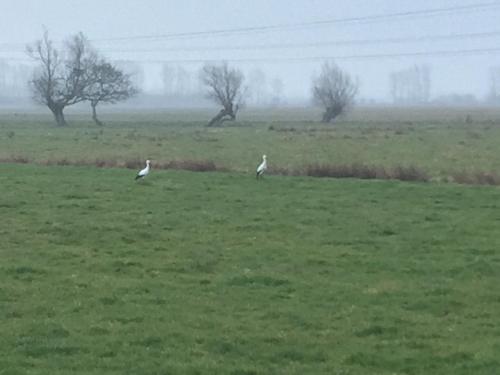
<point x="326" y="116"/>
<point x="330" y="114"/>
<point x="94" y="114"/>
<point x="217" y="118"/>
<point x="57" y="111"/>
<point x="221" y="116"/>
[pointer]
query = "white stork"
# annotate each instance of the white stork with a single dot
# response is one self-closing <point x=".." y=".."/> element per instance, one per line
<point x="144" y="172"/>
<point x="262" y="167"/>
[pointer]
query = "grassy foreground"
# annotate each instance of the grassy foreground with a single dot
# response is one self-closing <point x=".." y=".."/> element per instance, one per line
<point x="216" y="273"/>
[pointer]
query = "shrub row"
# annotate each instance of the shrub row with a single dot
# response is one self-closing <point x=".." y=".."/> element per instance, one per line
<point x="355" y="170"/>
<point x="362" y="171"/>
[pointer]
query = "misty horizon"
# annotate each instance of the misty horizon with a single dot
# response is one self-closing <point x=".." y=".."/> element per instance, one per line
<point x="279" y="48"/>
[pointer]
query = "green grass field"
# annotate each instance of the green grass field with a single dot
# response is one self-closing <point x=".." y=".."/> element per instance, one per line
<point x="217" y="273"/>
<point x="439" y="141"/>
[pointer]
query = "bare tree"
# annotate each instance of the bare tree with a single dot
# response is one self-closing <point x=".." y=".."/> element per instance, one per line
<point x="134" y="69"/>
<point x="107" y="84"/>
<point x="412" y="85"/>
<point x="257" y="86"/>
<point x="334" y="90"/>
<point x="225" y="87"/>
<point x="168" y="77"/>
<point x="13" y="79"/>
<point x="3" y="76"/>
<point x="60" y="82"/>
<point x="494" y="92"/>
<point x="277" y="87"/>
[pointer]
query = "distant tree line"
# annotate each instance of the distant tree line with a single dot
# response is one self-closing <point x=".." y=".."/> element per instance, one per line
<point x="494" y="91"/>
<point x="411" y="86"/>
<point x="77" y="73"/>
<point x="13" y="79"/>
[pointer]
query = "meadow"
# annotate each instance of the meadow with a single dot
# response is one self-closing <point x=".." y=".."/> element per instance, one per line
<point x="441" y="142"/>
<point x="217" y="273"/>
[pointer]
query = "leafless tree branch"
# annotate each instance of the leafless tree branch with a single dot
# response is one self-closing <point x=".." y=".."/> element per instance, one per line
<point x="59" y="83"/>
<point x="107" y="84"/>
<point x="225" y="87"/>
<point x="334" y="90"/>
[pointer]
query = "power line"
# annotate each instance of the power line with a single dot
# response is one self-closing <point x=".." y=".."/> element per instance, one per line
<point x="277" y="27"/>
<point x="364" y="19"/>
<point x="424" y="38"/>
<point x="437" y="53"/>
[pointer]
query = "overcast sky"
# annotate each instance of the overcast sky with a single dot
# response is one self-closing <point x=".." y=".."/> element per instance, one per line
<point x="123" y="22"/>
